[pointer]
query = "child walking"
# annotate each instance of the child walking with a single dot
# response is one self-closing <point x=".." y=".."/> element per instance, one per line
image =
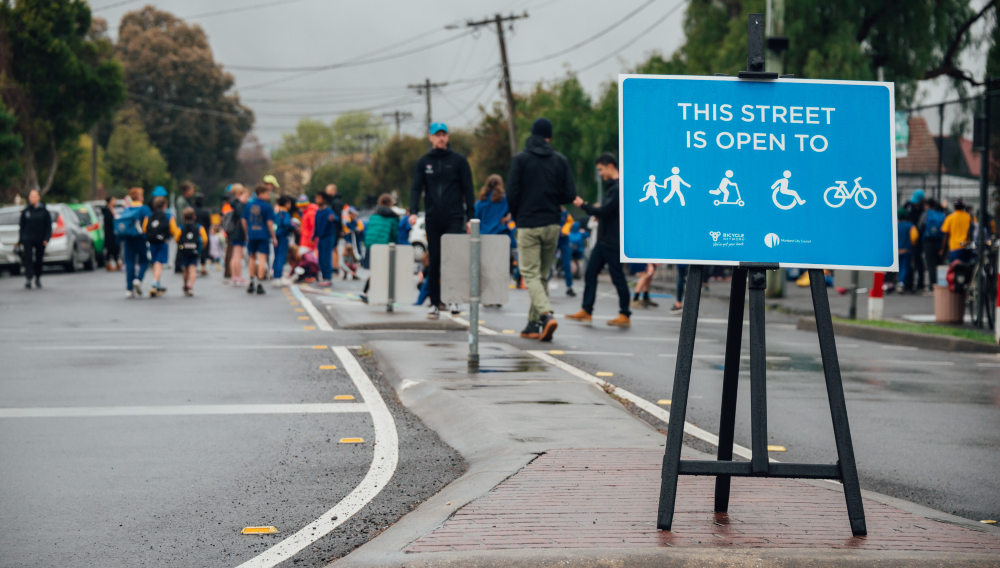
<point x="282" y="228"/>
<point x="383" y="229"/>
<point x="191" y="238"/>
<point x="159" y="228"/>
<point x="258" y="225"/>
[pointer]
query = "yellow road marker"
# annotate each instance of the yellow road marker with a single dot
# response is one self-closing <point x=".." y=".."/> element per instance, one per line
<point x="259" y="530"/>
<point x="300" y="309"/>
<point x="604" y="374"/>
<point x="319" y="346"/>
<point x="303" y="317"/>
<point x="327" y="367"/>
<point x="293" y="303"/>
<point x="309" y="327"/>
<point x="352" y="440"/>
<point x="512" y="286"/>
<point x="771" y="448"/>
<point x="556" y="352"/>
<point x="509" y="331"/>
<point x="482" y="322"/>
<point x="988" y="522"/>
<point x="344" y="397"/>
<point x="664" y="401"/>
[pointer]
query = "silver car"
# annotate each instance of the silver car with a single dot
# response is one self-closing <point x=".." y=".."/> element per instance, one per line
<point x="69" y="247"/>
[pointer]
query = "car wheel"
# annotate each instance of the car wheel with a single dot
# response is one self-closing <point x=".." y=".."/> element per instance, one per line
<point x="91" y="261"/>
<point x="70" y="265"/>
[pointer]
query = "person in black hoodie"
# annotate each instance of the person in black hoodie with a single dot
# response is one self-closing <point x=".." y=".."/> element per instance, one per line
<point x="444" y="178"/>
<point x="112" y="247"/>
<point x="540" y="180"/>
<point x="606" y="250"/>
<point x="35" y="230"/>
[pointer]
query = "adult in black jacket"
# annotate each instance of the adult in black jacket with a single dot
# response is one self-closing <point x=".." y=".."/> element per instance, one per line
<point x="112" y="248"/>
<point x="606" y="250"/>
<point x="35" y="230"/>
<point x="336" y="203"/>
<point x="540" y="180"/>
<point x="444" y="178"/>
<point x="202" y="216"/>
<point x="914" y="213"/>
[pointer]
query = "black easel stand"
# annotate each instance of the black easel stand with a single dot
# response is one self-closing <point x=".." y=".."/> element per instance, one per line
<point x="845" y="470"/>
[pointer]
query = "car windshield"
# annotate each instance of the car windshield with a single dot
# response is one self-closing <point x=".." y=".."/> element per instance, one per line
<point x="84" y="216"/>
<point x="10" y="217"/>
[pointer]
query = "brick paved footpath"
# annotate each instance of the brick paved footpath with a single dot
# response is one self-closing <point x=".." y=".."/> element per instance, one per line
<point x="583" y="498"/>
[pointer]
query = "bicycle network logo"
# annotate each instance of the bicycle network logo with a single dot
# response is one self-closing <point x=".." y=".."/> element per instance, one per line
<point x="721" y="239"/>
<point x="714" y="235"/>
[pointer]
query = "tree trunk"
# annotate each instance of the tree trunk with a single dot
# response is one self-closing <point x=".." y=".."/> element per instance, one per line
<point x="52" y="168"/>
<point x="30" y="174"/>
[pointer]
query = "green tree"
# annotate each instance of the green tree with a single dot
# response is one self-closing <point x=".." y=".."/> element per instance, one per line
<point x="353" y="180"/>
<point x="310" y="136"/>
<point x="56" y="77"/>
<point x="358" y="133"/>
<point x="492" y="150"/>
<point x="10" y="148"/>
<point x="392" y="167"/>
<point x="132" y="159"/>
<point x="72" y="180"/>
<point x="181" y="94"/>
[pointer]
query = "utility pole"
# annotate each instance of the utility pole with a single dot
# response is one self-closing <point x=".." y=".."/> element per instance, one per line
<point x="425" y="89"/>
<point x="499" y="20"/>
<point x="775" y="42"/>
<point x="940" y="148"/>
<point x="93" y="161"/>
<point x="399" y="117"/>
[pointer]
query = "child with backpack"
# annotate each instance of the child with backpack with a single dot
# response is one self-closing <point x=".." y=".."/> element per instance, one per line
<point x="191" y="239"/>
<point x="282" y="229"/>
<point x="159" y="228"/>
<point x="258" y="225"/>
<point x="130" y="230"/>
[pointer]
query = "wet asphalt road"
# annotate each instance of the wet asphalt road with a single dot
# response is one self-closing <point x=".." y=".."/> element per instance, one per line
<point x="154" y="490"/>
<point x="925" y="424"/>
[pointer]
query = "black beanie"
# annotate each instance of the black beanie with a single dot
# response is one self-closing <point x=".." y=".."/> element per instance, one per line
<point x="542" y="127"/>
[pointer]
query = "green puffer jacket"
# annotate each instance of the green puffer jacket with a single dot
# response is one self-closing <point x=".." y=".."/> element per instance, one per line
<point x="382" y="227"/>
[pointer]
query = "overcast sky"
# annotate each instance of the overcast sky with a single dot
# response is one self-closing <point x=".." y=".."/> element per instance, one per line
<point x="305" y="33"/>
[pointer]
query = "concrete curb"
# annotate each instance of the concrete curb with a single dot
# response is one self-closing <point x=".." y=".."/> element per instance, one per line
<point x="686" y="557"/>
<point x="896" y="337"/>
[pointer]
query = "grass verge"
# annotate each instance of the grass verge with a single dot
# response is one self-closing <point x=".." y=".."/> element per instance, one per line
<point x="927" y="328"/>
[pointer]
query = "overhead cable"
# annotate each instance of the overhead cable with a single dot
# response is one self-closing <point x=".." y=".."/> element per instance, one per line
<point x="240" y="9"/>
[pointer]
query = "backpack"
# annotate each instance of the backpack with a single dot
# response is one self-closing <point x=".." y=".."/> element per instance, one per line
<point x="932" y="227"/>
<point x="229" y="223"/>
<point x="158" y="228"/>
<point x="189" y="242"/>
<point x="129" y="223"/>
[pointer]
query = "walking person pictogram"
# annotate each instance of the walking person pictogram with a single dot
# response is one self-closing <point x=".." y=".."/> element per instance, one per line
<point x="675" y="182"/>
<point x="650" y="189"/>
<point x="781" y="186"/>
<point x="724" y="190"/>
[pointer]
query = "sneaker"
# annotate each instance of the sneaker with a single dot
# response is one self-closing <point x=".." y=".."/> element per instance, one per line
<point x="227" y="281"/>
<point x="188" y="292"/>
<point x="38" y="283"/>
<point x="325" y="284"/>
<point x="675" y="308"/>
<point x="648" y="303"/>
<point x="453" y="308"/>
<point x="549" y="325"/>
<point x="570" y="293"/>
<point x="581" y="315"/>
<point x="251" y="288"/>
<point x="637" y="304"/>
<point x="129" y="294"/>
<point x="532" y="331"/>
<point x="28" y="284"/>
<point x="620" y="321"/>
<point x="434" y="313"/>
<point x="260" y="289"/>
<point x="364" y="298"/>
<point x="137" y="287"/>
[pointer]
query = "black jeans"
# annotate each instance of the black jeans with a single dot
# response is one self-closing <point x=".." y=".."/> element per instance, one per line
<point x="435" y="228"/>
<point x="32" y="254"/>
<point x="932" y="256"/>
<point x="919" y="266"/>
<point x="600" y="256"/>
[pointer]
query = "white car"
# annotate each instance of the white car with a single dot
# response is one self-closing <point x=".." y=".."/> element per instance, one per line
<point x="70" y="246"/>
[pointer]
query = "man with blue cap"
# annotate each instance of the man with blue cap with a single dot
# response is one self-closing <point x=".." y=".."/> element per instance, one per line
<point x="444" y="178"/>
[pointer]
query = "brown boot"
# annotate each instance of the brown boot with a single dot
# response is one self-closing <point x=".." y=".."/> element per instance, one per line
<point x="548" y="325"/>
<point x="110" y="266"/>
<point x="620" y="321"/>
<point x="581" y="315"/>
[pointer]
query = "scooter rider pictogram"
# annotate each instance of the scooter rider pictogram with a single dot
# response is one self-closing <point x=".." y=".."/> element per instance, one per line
<point x="723" y="188"/>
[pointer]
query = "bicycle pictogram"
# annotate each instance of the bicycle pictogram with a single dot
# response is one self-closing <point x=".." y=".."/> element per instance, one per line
<point x="861" y="195"/>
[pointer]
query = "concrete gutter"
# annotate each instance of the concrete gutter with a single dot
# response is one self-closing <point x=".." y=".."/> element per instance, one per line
<point x="897" y="337"/>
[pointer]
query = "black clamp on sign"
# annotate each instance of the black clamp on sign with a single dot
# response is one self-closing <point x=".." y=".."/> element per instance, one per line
<point x="845" y="470"/>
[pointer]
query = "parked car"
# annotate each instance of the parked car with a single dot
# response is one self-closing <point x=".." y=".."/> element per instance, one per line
<point x="70" y="246"/>
<point x="92" y="218"/>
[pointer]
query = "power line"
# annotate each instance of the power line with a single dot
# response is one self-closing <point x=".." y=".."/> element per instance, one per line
<point x="474" y="100"/>
<point x="628" y="44"/>
<point x="241" y="9"/>
<point x="425" y="89"/>
<point x="182" y="108"/>
<point x="589" y="39"/>
<point x="499" y="21"/>
<point x="398" y="117"/>
<point x="115" y="5"/>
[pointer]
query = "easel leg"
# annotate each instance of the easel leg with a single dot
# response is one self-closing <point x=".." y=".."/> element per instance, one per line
<point x="678" y="402"/>
<point x="838" y="407"/>
<point x="730" y="383"/>
<point x="758" y="372"/>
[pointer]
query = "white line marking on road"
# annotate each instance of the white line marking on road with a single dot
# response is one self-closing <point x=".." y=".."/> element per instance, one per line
<point x="384" y="461"/>
<point x="182" y="410"/>
<point x="482" y="329"/>
<point x="608" y="353"/>
<point x="988" y="364"/>
<point x="401" y="330"/>
<point x="898" y="348"/>
<point x="317" y="317"/>
<point x="154" y="347"/>
<point x="209" y="329"/>
<point x="906" y="362"/>
<point x="642" y="403"/>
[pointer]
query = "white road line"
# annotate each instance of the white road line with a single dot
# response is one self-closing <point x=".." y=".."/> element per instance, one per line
<point x="898" y="348"/>
<point x="182" y="410"/>
<point x="154" y="347"/>
<point x="988" y="364"/>
<point x="608" y="353"/>
<point x="642" y="403"/>
<point x="317" y="317"/>
<point x="483" y="330"/>
<point x="907" y="362"/>
<point x="400" y="330"/>
<point x="384" y="461"/>
<point x="214" y="330"/>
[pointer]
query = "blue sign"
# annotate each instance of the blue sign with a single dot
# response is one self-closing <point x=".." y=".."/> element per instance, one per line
<point x="720" y="170"/>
